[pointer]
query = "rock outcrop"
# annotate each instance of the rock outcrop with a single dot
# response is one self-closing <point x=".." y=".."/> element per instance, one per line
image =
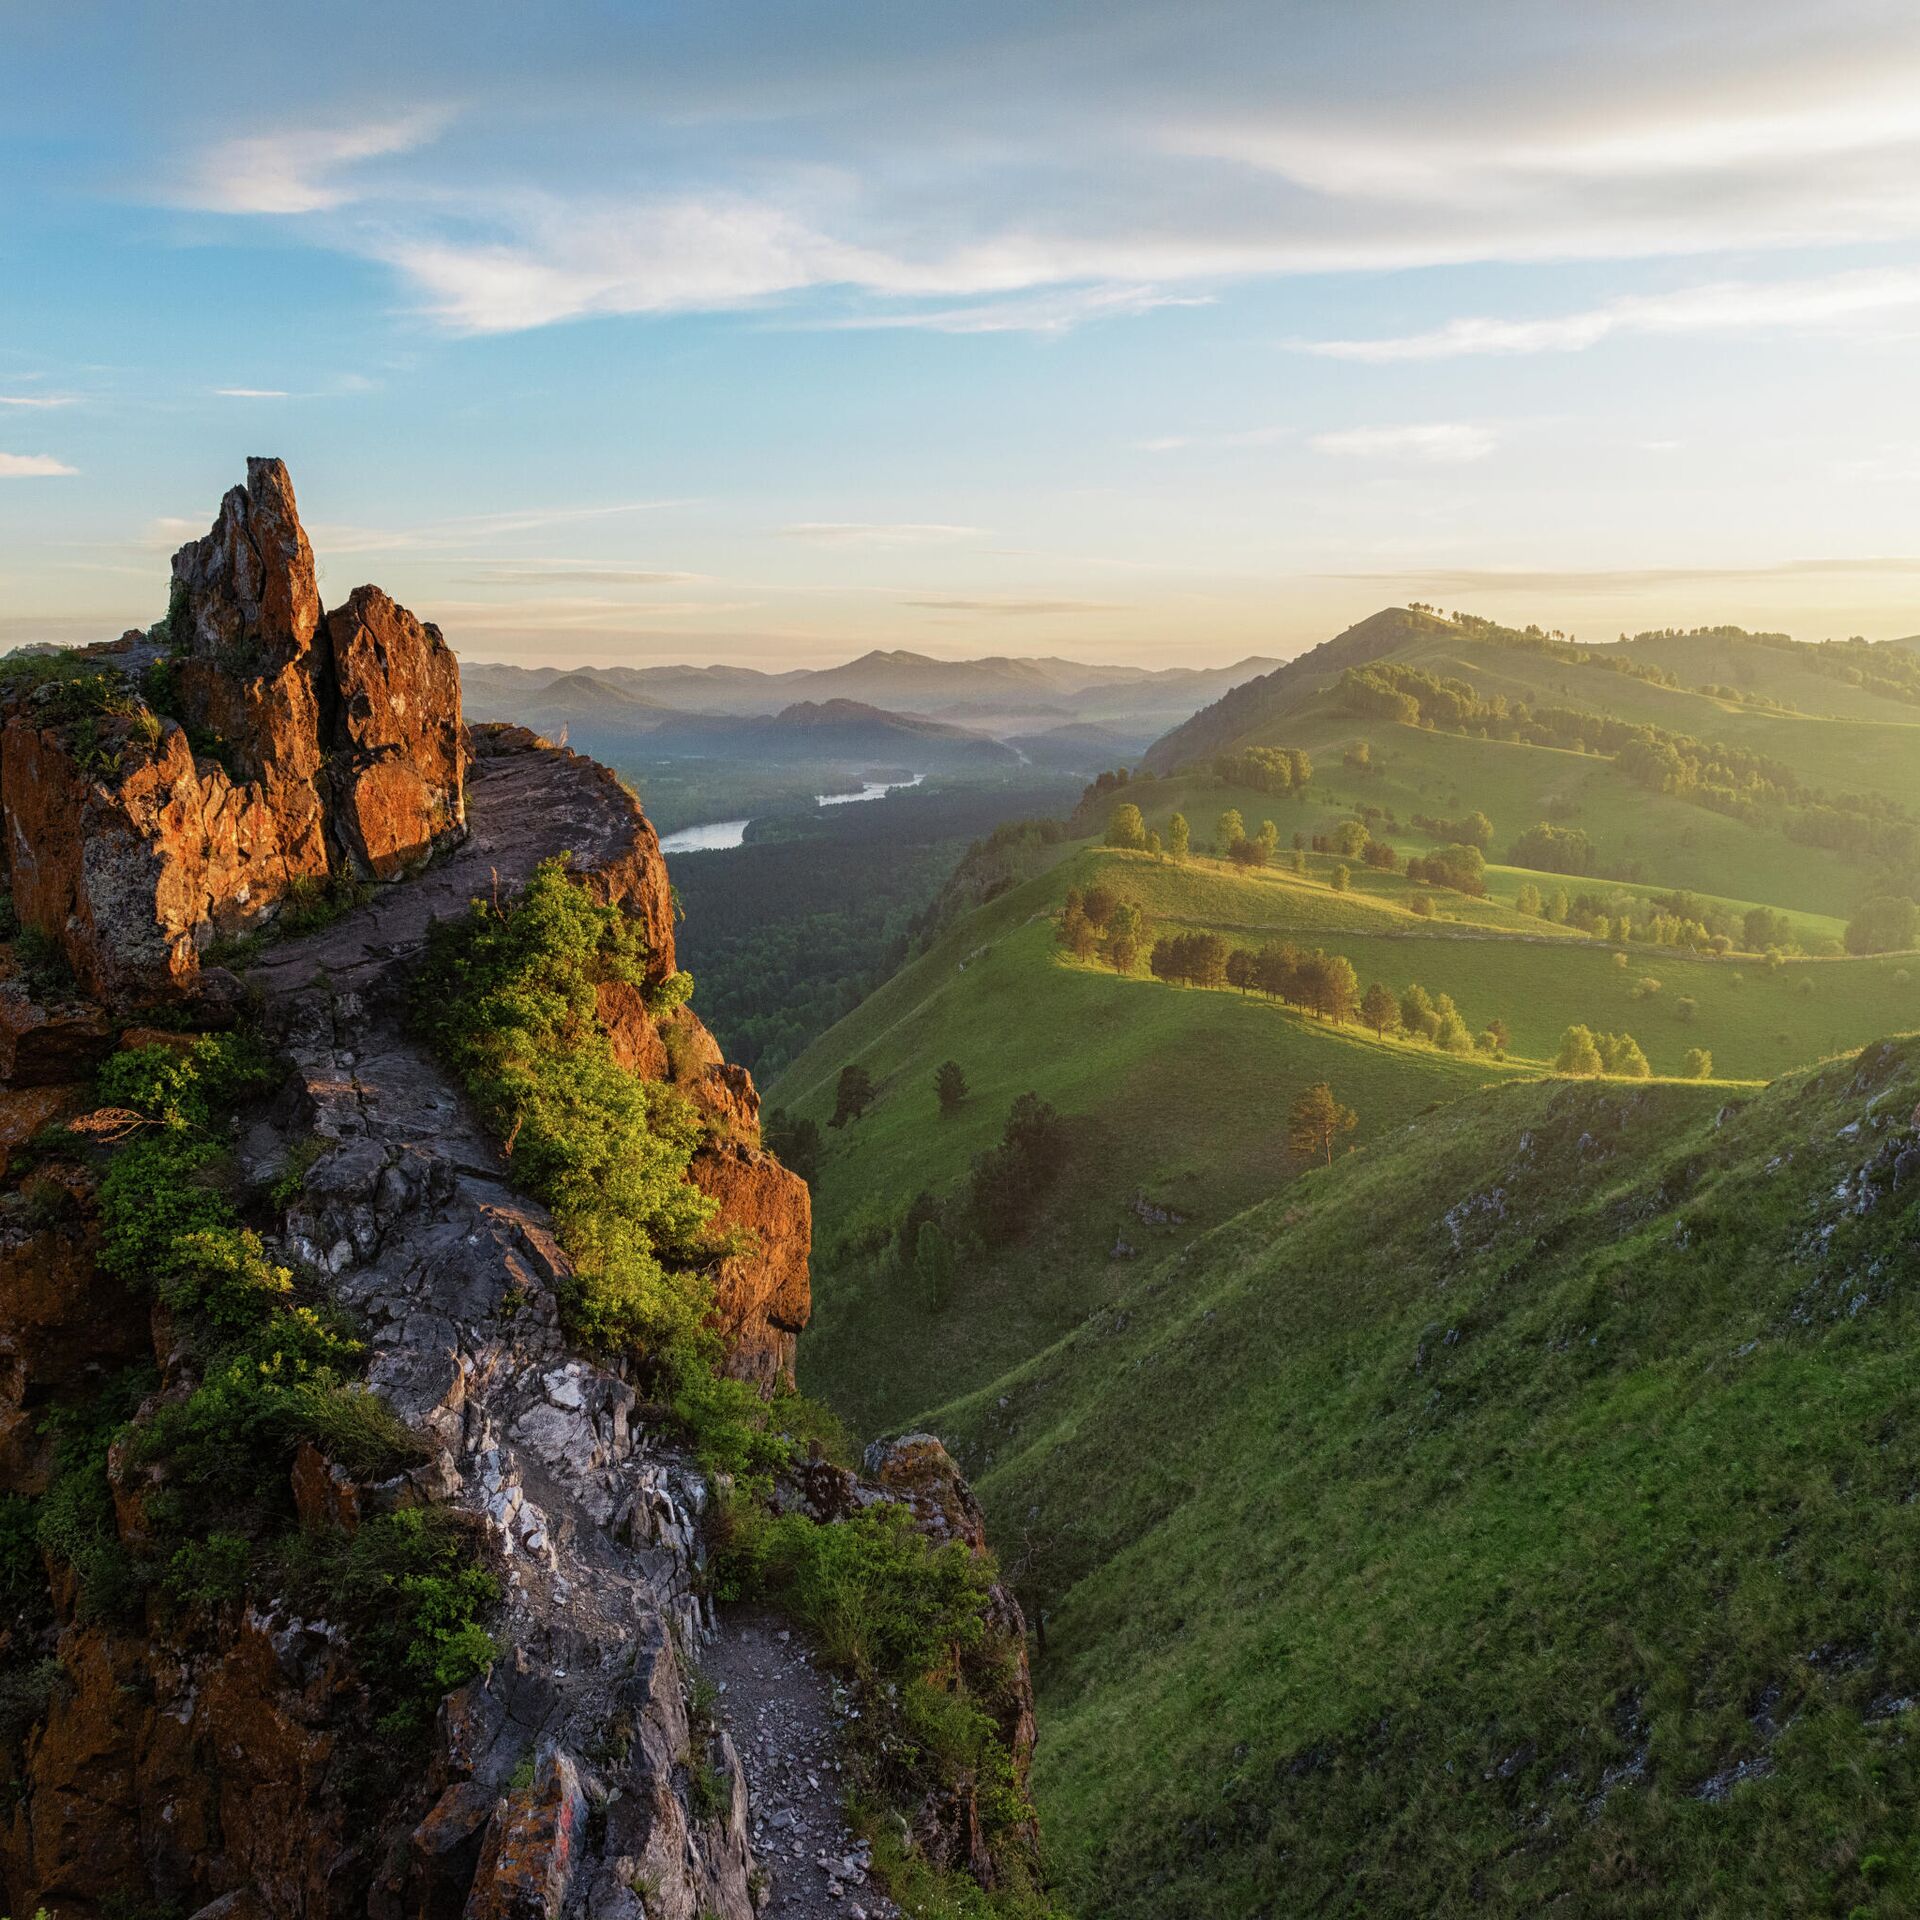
<point x="189" y="782"/>
<point x="214" y="1759"/>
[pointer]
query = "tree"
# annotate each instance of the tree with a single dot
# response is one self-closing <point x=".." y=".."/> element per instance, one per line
<point x="1318" y="1120"/>
<point x="950" y="1084"/>
<point x="1008" y="1180"/>
<point x="1620" y="1052"/>
<point x="1179" y="836"/>
<point x="1379" y="1009"/>
<point x="1240" y="968"/>
<point x="1579" y="1053"/>
<point x="1153" y="843"/>
<point x="1886" y="925"/>
<point x="920" y="1209"/>
<point x="1076" y="932"/>
<point x="1698" y="1064"/>
<point x="1125" y="827"/>
<point x="1274" y="968"/>
<point x="1339" y="988"/>
<point x="1765" y="927"/>
<point x="1100" y="903"/>
<point x="1267" y="839"/>
<point x="852" y="1095"/>
<point x="1230" y="829"/>
<point x="933" y="1264"/>
<point x="1500" y="1034"/>
<point x="1417" y="1012"/>
<point x="1126" y="928"/>
<point x="1552" y="849"/>
<point x="1452" y="1036"/>
<point x="1528" y="900"/>
<point x="1342" y="879"/>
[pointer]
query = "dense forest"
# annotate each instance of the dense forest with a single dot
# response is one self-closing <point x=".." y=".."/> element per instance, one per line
<point x="788" y="933"/>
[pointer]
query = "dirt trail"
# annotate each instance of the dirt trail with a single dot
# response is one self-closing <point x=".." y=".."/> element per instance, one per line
<point x="779" y="1708"/>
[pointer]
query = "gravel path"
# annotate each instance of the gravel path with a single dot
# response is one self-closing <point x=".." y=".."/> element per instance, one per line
<point x="779" y="1708"/>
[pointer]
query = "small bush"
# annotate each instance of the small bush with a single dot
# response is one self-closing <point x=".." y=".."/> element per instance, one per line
<point x="405" y="1587"/>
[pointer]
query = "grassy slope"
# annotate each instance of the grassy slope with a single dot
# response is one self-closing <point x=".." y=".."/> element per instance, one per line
<point x="1149" y="1075"/>
<point x="1182" y="1094"/>
<point x="1347" y="1616"/>
<point x="1845" y="741"/>
<point x="1442" y="1534"/>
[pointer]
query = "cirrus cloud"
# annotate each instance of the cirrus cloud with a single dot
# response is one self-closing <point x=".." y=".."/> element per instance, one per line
<point x="1445" y="443"/>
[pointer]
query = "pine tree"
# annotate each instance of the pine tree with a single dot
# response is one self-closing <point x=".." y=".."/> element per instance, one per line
<point x="852" y="1095"/>
<point x="1379" y="1009"/>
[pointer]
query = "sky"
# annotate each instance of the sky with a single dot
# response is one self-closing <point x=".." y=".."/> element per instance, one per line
<point x="1161" y="333"/>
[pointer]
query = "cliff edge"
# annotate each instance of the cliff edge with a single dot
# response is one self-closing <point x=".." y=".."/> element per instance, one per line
<point x="229" y="840"/>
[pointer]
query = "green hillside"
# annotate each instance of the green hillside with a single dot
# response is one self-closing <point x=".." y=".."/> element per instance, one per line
<point x="1509" y="1517"/>
<point x="1175" y="1094"/>
<point x="1179" y="1094"/>
<point x="1844" y="720"/>
<point x="1519" y="1517"/>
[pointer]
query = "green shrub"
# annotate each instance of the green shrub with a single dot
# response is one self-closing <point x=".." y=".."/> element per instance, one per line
<point x="183" y="1088"/>
<point x="405" y="1587"/>
<point x="75" y="1521"/>
<point x="508" y="999"/>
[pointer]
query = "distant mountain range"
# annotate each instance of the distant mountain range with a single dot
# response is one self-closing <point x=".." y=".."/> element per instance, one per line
<point x="958" y="710"/>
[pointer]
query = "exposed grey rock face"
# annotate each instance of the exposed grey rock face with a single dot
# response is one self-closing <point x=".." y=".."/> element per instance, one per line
<point x="592" y="1523"/>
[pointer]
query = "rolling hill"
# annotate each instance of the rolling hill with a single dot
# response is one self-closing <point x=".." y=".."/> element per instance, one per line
<point x="1456" y="1526"/>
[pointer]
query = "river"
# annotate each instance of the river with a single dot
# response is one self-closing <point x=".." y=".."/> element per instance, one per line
<point x="715" y="836"/>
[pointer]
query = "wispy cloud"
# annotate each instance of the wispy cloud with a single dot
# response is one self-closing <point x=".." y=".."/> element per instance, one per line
<point x="293" y="170"/>
<point x="1015" y="607"/>
<point x="38" y="402"/>
<point x="1729" y="306"/>
<point x="1088" y="184"/>
<point x="463" y="532"/>
<point x="866" y="533"/>
<point x="1602" y="580"/>
<point x="1243" y="437"/>
<point x="250" y="393"/>
<point x="1448" y="443"/>
<point x="32" y="466"/>
<point x="1046" y="313"/>
<point x="557" y="574"/>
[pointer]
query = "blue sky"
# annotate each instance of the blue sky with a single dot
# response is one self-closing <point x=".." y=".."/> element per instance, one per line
<point x="769" y="333"/>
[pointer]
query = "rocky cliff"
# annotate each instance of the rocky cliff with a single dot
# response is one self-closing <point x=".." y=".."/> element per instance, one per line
<point x="258" y="767"/>
<point x="183" y="785"/>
